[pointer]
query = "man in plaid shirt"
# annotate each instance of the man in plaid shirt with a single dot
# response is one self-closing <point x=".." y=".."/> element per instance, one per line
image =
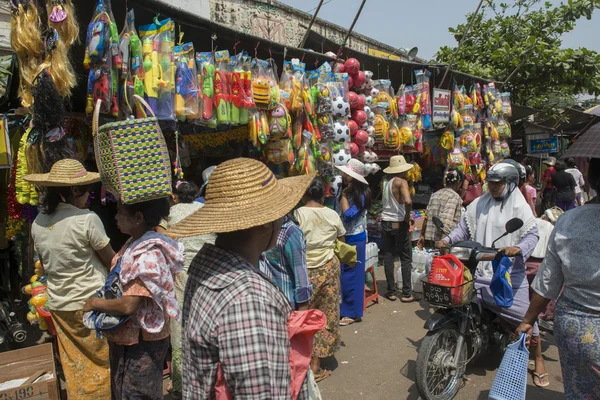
<point x="446" y="204"/>
<point x="286" y="265"/>
<point x="235" y="319"/>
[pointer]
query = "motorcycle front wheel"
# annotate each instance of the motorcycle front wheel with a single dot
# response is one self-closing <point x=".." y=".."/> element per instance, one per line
<point x="438" y="377"/>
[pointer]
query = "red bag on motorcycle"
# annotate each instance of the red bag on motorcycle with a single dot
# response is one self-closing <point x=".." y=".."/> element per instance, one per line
<point x="448" y="271"/>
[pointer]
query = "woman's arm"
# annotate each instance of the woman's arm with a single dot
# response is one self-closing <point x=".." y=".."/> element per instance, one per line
<point x="126" y="305"/>
<point x="106" y="255"/>
<point x="537" y="305"/>
<point x="344" y="202"/>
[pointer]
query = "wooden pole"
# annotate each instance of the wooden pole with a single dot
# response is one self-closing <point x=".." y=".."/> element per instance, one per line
<point x="312" y="21"/>
<point x="469" y="23"/>
<point x="354" y="23"/>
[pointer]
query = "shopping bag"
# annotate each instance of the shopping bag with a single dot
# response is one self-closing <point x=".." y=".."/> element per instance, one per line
<point x="501" y="286"/>
<point x="346" y="253"/>
<point x="510" y="382"/>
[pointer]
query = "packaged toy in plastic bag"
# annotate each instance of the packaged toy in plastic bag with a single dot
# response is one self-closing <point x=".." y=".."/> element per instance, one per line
<point x="383" y="97"/>
<point x="339" y="93"/>
<point x="503" y="128"/>
<point x="504" y="149"/>
<point x="305" y="159"/>
<point x="476" y="98"/>
<point x="381" y="123"/>
<point x="206" y="74"/>
<point x="222" y="79"/>
<point x="103" y="60"/>
<point x="422" y="77"/>
<point x="458" y="99"/>
<point x="393" y="138"/>
<point x="258" y="128"/>
<point x="411" y="134"/>
<point x="325" y="159"/>
<point x="280" y="123"/>
<point x="468" y="115"/>
<point x="186" y="83"/>
<point x="324" y="108"/>
<point x="279" y="151"/>
<point x="265" y="86"/>
<point x="457" y="159"/>
<point x="401" y="100"/>
<point x="506" y="104"/>
<point x="241" y="101"/>
<point x="128" y="41"/>
<point x="341" y="154"/>
<point x="291" y="85"/>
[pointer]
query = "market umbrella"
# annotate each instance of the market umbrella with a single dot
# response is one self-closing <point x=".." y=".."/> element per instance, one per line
<point x="588" y="144"/>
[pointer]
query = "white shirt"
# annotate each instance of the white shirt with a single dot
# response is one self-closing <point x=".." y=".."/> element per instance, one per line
<point x="578" y="176"/>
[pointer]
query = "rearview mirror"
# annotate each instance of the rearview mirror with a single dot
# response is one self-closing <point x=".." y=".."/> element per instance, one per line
<point x="438" y="223"/>
<point x="513" y="225"/>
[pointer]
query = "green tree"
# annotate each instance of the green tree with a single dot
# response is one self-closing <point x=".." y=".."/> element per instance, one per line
<point x="520" y="42"/>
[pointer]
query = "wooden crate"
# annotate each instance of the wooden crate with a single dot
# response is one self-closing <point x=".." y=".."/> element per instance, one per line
<point x="30" y="363"/>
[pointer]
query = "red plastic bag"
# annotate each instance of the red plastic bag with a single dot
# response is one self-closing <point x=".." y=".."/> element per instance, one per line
<point x="302" y="326"/>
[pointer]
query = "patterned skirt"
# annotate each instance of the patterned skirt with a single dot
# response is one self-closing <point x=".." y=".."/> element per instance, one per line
<point x="136" y="371"/>
<point x="325" y="281"/>
<point x="577" y="335"/>
<point x="84" y="358"/>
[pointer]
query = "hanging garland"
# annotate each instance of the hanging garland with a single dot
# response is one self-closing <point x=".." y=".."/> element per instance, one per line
<point x="25" y="193"/>
<point x="216" y="139"/>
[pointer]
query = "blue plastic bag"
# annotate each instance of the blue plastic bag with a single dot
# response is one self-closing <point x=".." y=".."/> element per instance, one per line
<point x="112" y="289"/>
<point x="510" y="382"/>
<point x="501" y="285"/>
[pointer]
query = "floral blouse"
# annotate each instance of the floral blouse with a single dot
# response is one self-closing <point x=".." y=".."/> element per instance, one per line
<point x="148" y="269"/>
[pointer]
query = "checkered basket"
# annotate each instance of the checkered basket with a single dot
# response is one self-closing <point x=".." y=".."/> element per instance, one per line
<point x="132" y="157"/>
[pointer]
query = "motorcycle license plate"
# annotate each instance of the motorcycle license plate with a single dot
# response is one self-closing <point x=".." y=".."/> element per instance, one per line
<point x="437" y="294"/>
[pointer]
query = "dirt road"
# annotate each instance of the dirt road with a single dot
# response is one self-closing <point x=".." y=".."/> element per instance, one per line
<point x="377" y="360"/>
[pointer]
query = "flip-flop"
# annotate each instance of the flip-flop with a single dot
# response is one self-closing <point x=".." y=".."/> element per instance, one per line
<point x="321" y="375"/>
<point x="408" y="299"/>
<point x="391" y="297"/>
<point x="346" y="321"/>
<point x="541" y="380"/>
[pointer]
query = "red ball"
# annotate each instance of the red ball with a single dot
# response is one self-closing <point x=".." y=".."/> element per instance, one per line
<point x="339" y="67"/>
<point x="361" y="150"/>
<point x="353" y="100"/>
<point x="362" y="101"/>
<point x="360" y="117"/>
<point x="350" y="82"/>
<point x="352" y="66"/>
<point x="361" y="138"/>
<point x="360" y="79"/>
<point x="353" y="126"/>
<point x="354" y="149"/>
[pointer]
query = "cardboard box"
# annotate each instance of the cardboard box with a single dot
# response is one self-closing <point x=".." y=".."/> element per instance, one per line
<point x="29" y="373"/>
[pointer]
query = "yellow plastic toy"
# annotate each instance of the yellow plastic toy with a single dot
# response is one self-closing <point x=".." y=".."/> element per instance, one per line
<point x="381" y="126"/>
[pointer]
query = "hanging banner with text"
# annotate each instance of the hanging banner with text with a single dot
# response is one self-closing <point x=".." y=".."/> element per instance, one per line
<point x="441" y="106"/>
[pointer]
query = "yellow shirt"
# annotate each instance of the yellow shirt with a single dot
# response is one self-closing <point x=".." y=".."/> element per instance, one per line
<point x="66" y="242"/>
<point x="321" y="227"/>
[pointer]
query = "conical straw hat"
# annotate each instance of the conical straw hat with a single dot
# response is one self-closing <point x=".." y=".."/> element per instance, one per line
<point x="67" y="172"/>
<point x="241" y="194"/>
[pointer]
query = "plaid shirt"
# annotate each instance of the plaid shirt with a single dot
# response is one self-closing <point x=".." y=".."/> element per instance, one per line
<point x="285" y="264"/>
<point x="234" y="315"/>
<point x="445" y="204"/>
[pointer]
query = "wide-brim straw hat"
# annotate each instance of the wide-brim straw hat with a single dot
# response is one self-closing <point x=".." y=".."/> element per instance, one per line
<point x="242" y="193"/>
<point x="67" y="172"/>
<point x="398" y="165"/>
<point x="355" y="169"/>
<point x="550" y="161"/>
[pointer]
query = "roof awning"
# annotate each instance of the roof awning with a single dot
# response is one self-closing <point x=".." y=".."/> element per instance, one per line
<point x="587" y="145"/>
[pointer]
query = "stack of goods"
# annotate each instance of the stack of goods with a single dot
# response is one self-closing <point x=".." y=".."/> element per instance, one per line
<point x="478" y="127"/>
<point x="374" y="223"/>
<point x="413" y="104"/>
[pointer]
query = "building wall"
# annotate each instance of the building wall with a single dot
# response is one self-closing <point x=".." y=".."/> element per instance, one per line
<point x="280" y="23"/>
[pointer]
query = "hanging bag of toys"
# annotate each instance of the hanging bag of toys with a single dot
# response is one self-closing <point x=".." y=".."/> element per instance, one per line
<point x="132" y="157"/>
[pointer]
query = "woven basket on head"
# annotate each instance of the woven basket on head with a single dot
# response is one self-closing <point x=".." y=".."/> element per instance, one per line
<point x="242" y="193"/>
<point x="65" y="172"/>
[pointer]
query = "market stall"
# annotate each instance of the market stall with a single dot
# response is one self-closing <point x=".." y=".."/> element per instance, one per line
<point x="219" y="94"/>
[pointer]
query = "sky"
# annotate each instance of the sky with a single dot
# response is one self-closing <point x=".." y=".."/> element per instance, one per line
<point x="424" y="24"/>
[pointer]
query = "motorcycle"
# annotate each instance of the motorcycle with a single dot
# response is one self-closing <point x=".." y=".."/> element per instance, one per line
<point x="12" y="331"/>
<point x="462" y="327"/>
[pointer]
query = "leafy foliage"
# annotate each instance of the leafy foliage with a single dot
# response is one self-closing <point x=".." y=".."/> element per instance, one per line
<point x="521" y="41"/>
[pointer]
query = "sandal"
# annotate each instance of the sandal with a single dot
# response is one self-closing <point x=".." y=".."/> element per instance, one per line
<point x="321" y="375"/>
<point x="391" y="297"/>
<point x="408" y="299"/>
<point x="540" y="380"/>
<point x="346" y="321"/>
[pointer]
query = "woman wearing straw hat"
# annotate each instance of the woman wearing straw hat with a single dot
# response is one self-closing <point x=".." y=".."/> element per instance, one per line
<point x="356" y="200"/>
<point x="234" y="317"/>
<point x="76" y="254"/>
<point x="397" y="205"/>
<point x="322" y="227"/>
